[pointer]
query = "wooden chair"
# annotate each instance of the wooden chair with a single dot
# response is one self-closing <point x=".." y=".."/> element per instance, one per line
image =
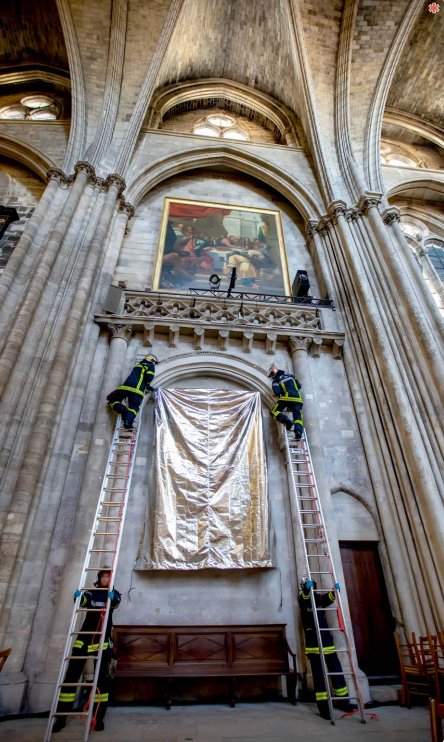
<point x="416" y="680"/>
<point x="436" y="714"/>
<point x="3" y="657"/>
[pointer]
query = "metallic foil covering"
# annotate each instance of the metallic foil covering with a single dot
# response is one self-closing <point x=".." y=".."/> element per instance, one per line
<point x="211" y="481"/>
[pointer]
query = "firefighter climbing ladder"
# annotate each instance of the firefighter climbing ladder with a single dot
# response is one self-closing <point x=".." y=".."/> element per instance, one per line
<point x="103" y="544"/>
<point x="306" y="508"/>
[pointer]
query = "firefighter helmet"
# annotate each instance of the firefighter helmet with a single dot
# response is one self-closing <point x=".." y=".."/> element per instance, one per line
<point x="151" y="358"/>
<point x="272" y="372"/>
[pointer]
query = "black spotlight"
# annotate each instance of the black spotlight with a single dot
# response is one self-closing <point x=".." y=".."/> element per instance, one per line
<point x="214" y="281"/>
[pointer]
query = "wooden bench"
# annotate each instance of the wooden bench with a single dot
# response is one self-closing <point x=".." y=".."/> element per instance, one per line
<point x="204" y="651"/>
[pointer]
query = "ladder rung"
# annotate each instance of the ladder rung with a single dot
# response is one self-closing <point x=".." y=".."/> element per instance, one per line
<point x="307" y="499"/>
<point x="308" y="512"/>
<point x="93" y="569"/>
<point x="88" y="633"/>
<point x="347" y="672"/>
<point x="101" y="551"/>
<point x="105" y="533"/>
<point x="331" y="609"/>
<point x="331" y="629"/>
<point x="69" y="713"/>
<point x="75" y="685"/>
<point x="319" y="573"/>
<point x="313" y="541"/>
<point x="79" y="657"/>
<point x="117" y="476"/>
<point x="114" y="489"/>
<point x="109" y="504"/>
<point x="304" y="486"/>
<point x="310" y="525"/>
<point x="319" y="556"/>
<point x="90" y="610"/>
<point x="109" y="518"/>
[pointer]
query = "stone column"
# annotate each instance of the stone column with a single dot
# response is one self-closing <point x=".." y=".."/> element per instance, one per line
<point x="20" y="326"/>
<point x="392" y="219"/>
<point x="420" y="495"/>
<point x="430" y="271"/>
<point x="432" y="348"/>
<point x="19" y="263"/>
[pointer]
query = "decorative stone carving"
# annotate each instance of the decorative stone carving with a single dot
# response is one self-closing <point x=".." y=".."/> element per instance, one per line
<point x="391" y="216"/>
<point x="311" y="228"/>
<point x="99" y="183"/>
<point x="199" y="310"/>
<point x="198" y="338"/>
<point x="84" y="167"/>
<point x="247" y="342"/>
<point x="270" y="343"/>
<point x="116" y="180"/>
<point x="336" y="349"/>
<point x="173" y="338"/>
<point x="315" y="348"/>
<point x="337" y="208"/>
<point x="120" y="331"/>
<point x="223" y="339"/>
<point x="300" y="343"/>
<point x="148" y="334"/>
<point x="368" y="200"/>
<point x="63" y="180"/>
<point x="126" y="208"/>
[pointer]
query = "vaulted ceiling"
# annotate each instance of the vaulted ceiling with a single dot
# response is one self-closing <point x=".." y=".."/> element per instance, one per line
<point x="31" y="34"/>
<point x="417" y="86"/>
<point x="248" y="42"/>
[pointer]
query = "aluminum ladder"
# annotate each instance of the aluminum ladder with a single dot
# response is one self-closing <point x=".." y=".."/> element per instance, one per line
<point x="306" y="508"/>
<point x="103" y="548"/>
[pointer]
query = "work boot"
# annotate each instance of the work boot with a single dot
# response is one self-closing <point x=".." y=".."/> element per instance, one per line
<point x="289" y="425"/>
<point x="59" y="724"/>
<point x="99" y="727"/>
<point x="298" y="435"/>
<point x="128" y="426"/>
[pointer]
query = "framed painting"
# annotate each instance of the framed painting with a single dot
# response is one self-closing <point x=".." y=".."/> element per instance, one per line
<point x="199" y="238"/>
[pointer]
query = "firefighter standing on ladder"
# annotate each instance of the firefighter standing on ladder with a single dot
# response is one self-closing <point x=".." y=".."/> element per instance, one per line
<point x="133" y="389"/>
<point x="88" y="644"/>
<point x="322" y="600"/>
<point x="287" y="388"/>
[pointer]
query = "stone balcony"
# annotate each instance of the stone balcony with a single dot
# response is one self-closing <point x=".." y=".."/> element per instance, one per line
<point x="164" y="313"/>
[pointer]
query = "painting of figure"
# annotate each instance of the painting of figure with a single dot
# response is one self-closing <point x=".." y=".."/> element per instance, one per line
<point x="198" y="239"/>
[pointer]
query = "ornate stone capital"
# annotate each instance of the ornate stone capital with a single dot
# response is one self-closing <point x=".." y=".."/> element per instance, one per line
<point x="126" y="208"/>
<point x="391" y="216"/>
<point x="84" y="167"/>
<point x="336" y="209"/>
<point x="300" y="343"/>
<point x="116" y="180"/>
<point x="369" y="200"/>
<point x="63" y="180"/>
<point x="336" y="348"/>
<point x="311" y="228"/>
<point x="148" y="334"/>
<point x="120" y="331"/>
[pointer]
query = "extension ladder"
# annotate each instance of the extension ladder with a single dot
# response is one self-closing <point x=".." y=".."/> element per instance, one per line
<point x="306" y="506"/>
<point x="104" y="545"/>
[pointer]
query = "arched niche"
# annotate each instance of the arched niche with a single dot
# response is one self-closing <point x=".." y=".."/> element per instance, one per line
<point x="352" y="519"/>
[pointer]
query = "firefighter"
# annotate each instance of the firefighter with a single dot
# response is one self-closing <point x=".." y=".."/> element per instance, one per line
<point x="287" y="388"/>
<point x="88" y="645"/>
<point x="133" y="389"/>
<point x="322" y="600"/>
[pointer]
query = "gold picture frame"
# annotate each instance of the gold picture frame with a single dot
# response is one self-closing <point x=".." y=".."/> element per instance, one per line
<point x="189" y="251"/>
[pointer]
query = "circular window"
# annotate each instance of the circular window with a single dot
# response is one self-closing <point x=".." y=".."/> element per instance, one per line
<point x="221" y="126"/>
<point x="222" y="121"/>
<point x="13" y="112"/>
<point x="34" y="107"/>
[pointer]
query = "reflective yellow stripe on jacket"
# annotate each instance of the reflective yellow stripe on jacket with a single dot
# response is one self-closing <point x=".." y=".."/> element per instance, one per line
<point x="286" y="396"/>
<point x="315" y="650"/>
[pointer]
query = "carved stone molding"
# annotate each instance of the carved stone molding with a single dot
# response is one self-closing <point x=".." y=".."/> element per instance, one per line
<point x="337" y="208"/>
<point x="223" y="339"/>
<point x="300" y="343"/>
<point x="369" y="200"/>
<point x="99" y="183"/>
<point x="84" y="167"/>
<point x="116" y="180"/>
<point x="148" y="334"/>
<point x="126" y="208"/>
<point x="63" y="180"/>
<point x="120" y="331"/>
<point x="198" y="338"/>
<point x="311" y="228"/>
<point x="336" y="350"/>
<point x="270" y="343"/>
<point x="247" y="342"/>
<point x="389" y="217"/>
<point x="173" y="336"/>
<point x="315" y="348"/>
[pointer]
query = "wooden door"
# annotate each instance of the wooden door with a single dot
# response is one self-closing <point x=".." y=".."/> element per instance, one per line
<point x="369" y="608"/>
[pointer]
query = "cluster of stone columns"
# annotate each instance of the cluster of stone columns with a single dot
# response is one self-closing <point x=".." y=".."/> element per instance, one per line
<point x="394" y="361"/>
<point x="49" y="290"/>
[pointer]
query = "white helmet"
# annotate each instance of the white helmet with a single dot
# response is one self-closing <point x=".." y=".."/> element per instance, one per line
<point x="272" y="372"/>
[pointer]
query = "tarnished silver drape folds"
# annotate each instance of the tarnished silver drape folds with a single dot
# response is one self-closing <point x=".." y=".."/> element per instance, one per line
<point x="211" y="479"/>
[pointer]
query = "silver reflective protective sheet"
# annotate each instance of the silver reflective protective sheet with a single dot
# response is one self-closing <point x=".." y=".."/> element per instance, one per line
<point x="211" y="481"/>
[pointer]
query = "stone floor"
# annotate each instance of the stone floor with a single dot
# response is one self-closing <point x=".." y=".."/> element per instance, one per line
<point x="261" y="722"/>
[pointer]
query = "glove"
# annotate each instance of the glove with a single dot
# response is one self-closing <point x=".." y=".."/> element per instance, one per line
<point x="155" y="388"/>
<point x="111" y="595"/>
<point x="338" y="587"/>
<point x="309" y="584"/>
<point x="77" y="594"/>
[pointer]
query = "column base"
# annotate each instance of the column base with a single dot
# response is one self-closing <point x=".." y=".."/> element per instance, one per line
<point x="41" y="693"/>
<point x="13" y="687"/>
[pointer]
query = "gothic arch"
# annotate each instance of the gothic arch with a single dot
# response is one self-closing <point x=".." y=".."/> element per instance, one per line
<point x="168" y="97"/>
<point x="424" y="189"/>
<point x="25" y="153"/>
<point x="213" y="363"/>
<point x="362" y="500"/>
<point x="209" y="156"/>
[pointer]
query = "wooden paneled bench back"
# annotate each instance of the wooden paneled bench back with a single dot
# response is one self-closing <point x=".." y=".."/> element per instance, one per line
<point x="204" y="651"/>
